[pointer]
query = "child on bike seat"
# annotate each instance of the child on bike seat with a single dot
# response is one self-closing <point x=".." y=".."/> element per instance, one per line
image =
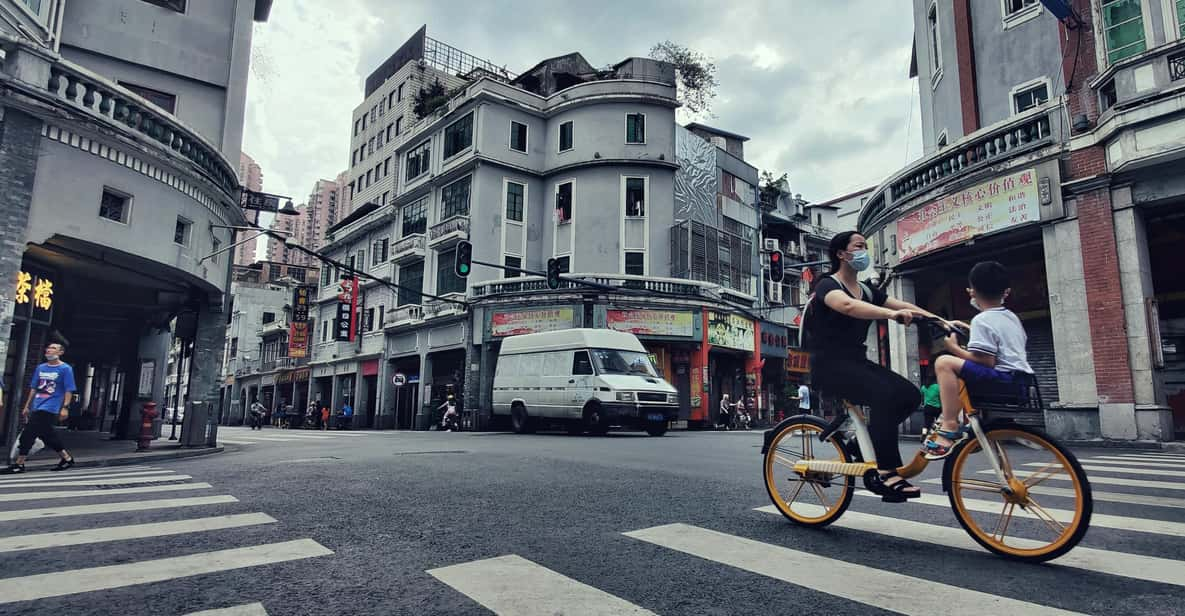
<point x="993" y="362"/>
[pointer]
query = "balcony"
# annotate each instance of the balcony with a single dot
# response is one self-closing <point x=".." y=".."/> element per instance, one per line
<point x="528" y="285"/>
<point x="404" y="315"/>
<point x="246" y="367"/>
<point x="291" y="362"/>
<point x="435" y="309"/>
<point x="447" y="233"/>
<point x="410" y="248"/>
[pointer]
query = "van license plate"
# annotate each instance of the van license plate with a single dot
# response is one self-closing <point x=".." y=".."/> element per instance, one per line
<point x="655" y="417"/>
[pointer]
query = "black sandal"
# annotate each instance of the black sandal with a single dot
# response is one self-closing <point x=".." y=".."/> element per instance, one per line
<point x="13" y="469"/>
<point x="63" y="464"/>
<point x="894" y="492"/>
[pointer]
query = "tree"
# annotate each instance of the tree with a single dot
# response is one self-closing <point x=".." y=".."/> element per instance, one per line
<point x="429" y="99"/>
<point x="696" y="74"/>
<point x="770" y="189"/>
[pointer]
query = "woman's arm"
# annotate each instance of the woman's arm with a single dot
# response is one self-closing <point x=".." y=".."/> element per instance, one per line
<point x="893" y="303"/>
<point x="847" y="305"/>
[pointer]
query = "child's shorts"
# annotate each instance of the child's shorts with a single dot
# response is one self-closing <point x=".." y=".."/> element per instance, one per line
<point x="984" y="381"/>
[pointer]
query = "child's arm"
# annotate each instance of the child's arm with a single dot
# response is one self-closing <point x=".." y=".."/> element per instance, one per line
<point x="952" y="345"/>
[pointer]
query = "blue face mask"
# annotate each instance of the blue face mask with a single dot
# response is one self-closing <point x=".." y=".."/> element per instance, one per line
<point x="860" y="260"/>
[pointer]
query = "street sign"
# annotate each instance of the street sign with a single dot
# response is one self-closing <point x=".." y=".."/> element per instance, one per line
<point x="399" y="379"/>
<point x="260" y="201"/>
<point x="300" y="303"/>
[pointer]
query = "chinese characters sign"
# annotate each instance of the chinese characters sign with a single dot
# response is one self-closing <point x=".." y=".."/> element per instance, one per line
<point x="798" y="361"/>
<point x="33" y="292"/>
<point x="651" y="322"/>
<point x="300" y="304"/>
<point x="730" y="330"/>
<point x="530" y="321"/>
<point x="774" y="340"/>
<point x="298" y="339"/>
<point x="991" y="206"/>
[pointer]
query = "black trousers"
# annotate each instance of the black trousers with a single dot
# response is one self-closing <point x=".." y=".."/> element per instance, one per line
<point x="40" y="426"/>
<point x="889" y="395"/>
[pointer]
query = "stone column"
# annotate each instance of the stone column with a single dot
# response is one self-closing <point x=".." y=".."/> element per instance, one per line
<point x="204" y="375"/>
<point x="20" y="139"/>
<point x="903" y="341"/>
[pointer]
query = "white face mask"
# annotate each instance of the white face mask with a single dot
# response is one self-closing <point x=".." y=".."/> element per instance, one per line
<point x="51" y="357"/>
<point x="975" y="304"/>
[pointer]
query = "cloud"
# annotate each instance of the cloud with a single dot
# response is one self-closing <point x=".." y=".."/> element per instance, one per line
<point x="820" y="87"/>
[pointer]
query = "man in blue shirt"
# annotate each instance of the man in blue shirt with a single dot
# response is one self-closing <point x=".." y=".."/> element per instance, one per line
<point x="347" y="416"/>
<point x="50" y="390"/>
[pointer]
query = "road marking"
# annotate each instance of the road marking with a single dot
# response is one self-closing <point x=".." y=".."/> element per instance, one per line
<point x="1125" y="462"/>
<point x="88" y="475"/>
<point x="163" y="503"/>
<point x="1101" y="520"/>
<point x="230" y="442"/>
<point x="115" y="481"/>
<point x="513" y="585"/>
<point x="133" y="531"/>
<point x="274" y="439"/>
<point x="251" y="609"/>
<point x="1133" y="471"/>
<point x="297" y="436"/>
<point x="172" y="487"/>
<point x="1114" y="481"/>
<point x="1115" y="497"/>
<point x="31" y="587"/>
<point x="1150" y="568"/>
<point x="876" y="587"/>
<point x="1150" y="456"/>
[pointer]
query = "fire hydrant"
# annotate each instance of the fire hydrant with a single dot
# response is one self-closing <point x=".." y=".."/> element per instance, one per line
<point x="147" y="414"/>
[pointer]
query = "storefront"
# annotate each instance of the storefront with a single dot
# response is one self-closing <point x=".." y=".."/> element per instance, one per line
<point x="671" y="338"/>
<point x="293" y="386"/>
<point x="732" y="368"/>
<point x="775" y="340"/>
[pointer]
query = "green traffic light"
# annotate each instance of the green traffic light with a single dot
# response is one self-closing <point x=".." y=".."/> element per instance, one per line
<point x="464" y="269"/>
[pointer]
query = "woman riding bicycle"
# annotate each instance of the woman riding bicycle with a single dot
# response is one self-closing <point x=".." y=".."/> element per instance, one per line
<point x="843" y="309"/>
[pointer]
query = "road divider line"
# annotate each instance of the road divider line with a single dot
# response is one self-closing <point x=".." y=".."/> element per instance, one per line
<point x="133" y="531"/>
<point x="123" y="506"/>
<point x="172" y="487"/>
<point x="512" y="585"/>
<point x="45" y="585"/>
<point x="115" y="481"/>
<point x="1150" y="568"/>
<point x="870" y="586"/>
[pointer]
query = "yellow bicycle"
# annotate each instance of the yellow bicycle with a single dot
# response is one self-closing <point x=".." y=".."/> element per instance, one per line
<point x="811" y="467"/>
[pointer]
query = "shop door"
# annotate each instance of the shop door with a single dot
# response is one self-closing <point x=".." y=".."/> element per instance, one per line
<point x="682" y="383"/>
<point x="406" y="401"/>
<point x="371" y="383"/>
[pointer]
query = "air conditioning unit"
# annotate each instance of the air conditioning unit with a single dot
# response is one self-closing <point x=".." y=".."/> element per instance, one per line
<point x="773" y="292"/>
<point x="792" y="249"/>
<point x="770" y="244"/>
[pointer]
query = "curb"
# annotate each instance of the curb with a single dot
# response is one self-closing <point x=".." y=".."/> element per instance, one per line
<point x="148" y="456"/>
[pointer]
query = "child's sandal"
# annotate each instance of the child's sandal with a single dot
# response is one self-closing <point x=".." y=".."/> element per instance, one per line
<point x="934" y="450"/>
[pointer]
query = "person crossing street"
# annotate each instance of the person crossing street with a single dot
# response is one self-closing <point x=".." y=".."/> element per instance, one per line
<point x="50" y="391"/>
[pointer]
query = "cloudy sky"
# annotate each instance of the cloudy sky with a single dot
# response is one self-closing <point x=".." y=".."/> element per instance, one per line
<point x="820" y="86"/>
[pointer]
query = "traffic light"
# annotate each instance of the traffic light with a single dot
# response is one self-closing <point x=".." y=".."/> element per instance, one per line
<point x="464" y="263"/>
<point x="553" y="273"/>
<point x="777" y="270"/>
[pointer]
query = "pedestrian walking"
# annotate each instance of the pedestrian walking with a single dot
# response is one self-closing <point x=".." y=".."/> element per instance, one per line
<point x="325" y="418"/>
<point x="931" y="406"/>
<point x="257" y="412"/>
<point x="51" y="389"/>
<point x="722" y="421"/>
<point x="346" y="417"/>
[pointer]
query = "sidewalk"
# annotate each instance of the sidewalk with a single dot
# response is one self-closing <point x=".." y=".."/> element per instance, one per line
<point x="91" y="448"/>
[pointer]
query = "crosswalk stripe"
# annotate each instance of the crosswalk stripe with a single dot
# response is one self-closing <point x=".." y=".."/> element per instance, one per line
<point x="61" y="583"/>
<point x="1133" y="471"/>
<point x="1114" y="497"/>
<point x="1113" y="481"/>
<point x="1151" y="456"/>
<point x="1123" y="462"/>
<point x="274" y="439"/>
<point x="133" y="531"/>
<point x="62" y="477"/>
<point x="82" y="473"/>
<point x="1101" y="520"/>
<point x="312" y="437"/>
<point x="1150" y="568"/>
<point x="875" y="587"/>
<point x="172" y="487"/>
<point x="251" y="609"/>
<point x="230" y="442"/>
<point x="162" y="503"/>
<point x="514" y="586"/>
<point x="115" y="481"/>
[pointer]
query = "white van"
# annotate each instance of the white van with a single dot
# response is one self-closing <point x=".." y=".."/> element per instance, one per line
<point x="588" y="379"/>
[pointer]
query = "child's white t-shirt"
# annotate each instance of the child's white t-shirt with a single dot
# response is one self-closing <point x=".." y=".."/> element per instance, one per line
<point x="999" y="333"/>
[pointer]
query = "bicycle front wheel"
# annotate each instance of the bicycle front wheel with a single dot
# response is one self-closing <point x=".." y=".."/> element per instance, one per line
<point x="812" y="498"/>
<point x="1020" y="518"/>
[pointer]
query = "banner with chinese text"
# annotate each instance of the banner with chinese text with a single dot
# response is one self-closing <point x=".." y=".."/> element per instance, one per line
<point x="730" y="330"/>
<point x="298" y="340"/>
<point x="985" y="208"/>
<point x="651" y="322"/>
<point x="530" y="321"/>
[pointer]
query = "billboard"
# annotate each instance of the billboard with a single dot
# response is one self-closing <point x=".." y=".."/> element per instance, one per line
<point x="651" y="322"/>
<point x="530" y="321"/>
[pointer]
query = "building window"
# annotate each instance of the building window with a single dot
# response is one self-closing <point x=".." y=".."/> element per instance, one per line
<point x="326" y="277"/>
<point x="378" y="140"/>
<point x="415" y="218"/>
<point x="368" y="172"/>
<point x="364" y="121"/>
<point x="324" y="331"/>
<point x="369" y="325"/>
<point x="1123" y="29"/>
<point x="565" y="136"/>
<point x="361" y="260"/>
<point x="382" y="314"/>
<point x="234" y="347"/>
<point x="411" y="283"/>
<point x="447" y="280"/>
<point x="173" y="5"/>
<point x="635" y="128"/>
<point x="387" y="167"/>
<point x="935" y="40"/>
<point x="386" y="194"/>
<point x="514" y="201"/>
<point x="115" y="206"/>
<point x="182" y="231"/>
<point x="1180" y="10"/>
<point x="214" y="248"/>
<point x="390" y="100"/>
<point x="1013" y="8"/>
<point x="458" y="136"/>
<point x="512" y="262"/>
<point x="417" y="161"/>
<point x="399" y="92"/>
<point x="357" y="127"/>
<point x="635" y="263"/>
<point x="390" y="127"/>
<point x="1029" y="96"/>
<point x="635" y="196"/>
<point x="563" y="202"/>
<point x="378" y="253"/>
<point x="454" y="199"/>
<point x="164" y="100"/>
<point x="298" y="274"/>
<point x="268" y="317"/>
<point x="370" y="146"/>
<point x="518" y="137"/>
<point x="398" y="124"/>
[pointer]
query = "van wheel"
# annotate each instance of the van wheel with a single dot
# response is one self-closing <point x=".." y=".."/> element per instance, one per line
<point x="519" y="420"/>
<point x="656" y="428"/>
<point x="594" y="421"/>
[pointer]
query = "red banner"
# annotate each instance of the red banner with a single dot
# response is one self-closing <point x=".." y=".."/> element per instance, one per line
<point x="298" y="340"/>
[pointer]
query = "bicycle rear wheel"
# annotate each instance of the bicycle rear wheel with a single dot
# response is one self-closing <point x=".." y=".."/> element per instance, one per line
<point x="813" y="499"/>
<point x="1016" y="519"/>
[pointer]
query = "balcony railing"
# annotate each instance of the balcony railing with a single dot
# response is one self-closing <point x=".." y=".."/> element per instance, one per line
<point x="448" y="232"/>
<point x="410" y="248"/>
<point x="246" y="367"/>
<point x="404" y="315"/>
<point x="104" y="99"/>
<point x="434" y="308"/>
<point x="291" y="362"/>
<point x="977" y="151"/>
<point x="658" y="286"/>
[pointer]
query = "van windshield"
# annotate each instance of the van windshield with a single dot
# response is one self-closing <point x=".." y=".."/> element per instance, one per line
<point x="612" y="361"/>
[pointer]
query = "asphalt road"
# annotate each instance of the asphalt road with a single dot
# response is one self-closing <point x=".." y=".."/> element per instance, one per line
<point x="478" y="523"/>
